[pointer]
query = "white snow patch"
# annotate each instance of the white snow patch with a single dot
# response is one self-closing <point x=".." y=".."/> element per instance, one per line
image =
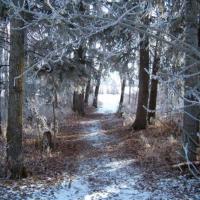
<point x="78" y="190"/>
<point x="89" y="122"/>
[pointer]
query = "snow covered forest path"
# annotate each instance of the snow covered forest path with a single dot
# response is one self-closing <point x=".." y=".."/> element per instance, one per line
<point x="104" y="171"/>
<point x="102" y="165"/>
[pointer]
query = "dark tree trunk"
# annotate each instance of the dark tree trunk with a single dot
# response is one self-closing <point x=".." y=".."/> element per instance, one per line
<point x="153" y="90"/>
<point x="54" y="106"/>
<point x="78" y="103"/>
<point x="81" y="109"/>
<point x="47" y="141"/>
<point x="74" y="101"/>
<point x="15" y="167"/>
<point x="141" y="114"/>
<point x="129" y="94"/>
<point x="55" y="94"/>
<point x="54" y="118"/>
<point x="191" y="109"/>
<point x="199" y="33"/>
<point x="6" y="72"/>
<point x="1" y="86"/>
<point x="0" y="106"/>
<point x="2" y="83"/>
<point x="55" y="97"/>
<point x="123" y="85"/>
<point x="87" y="92"/>
<point x="96" y="93"/>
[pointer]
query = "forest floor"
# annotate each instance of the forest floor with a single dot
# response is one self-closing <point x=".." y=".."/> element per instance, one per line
<point x="96" y="157"/>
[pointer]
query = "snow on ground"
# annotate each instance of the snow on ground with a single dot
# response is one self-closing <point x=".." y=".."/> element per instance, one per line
<point x="95" y="135"/>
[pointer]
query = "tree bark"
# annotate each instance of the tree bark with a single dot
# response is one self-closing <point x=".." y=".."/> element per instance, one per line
<point x="81" y="109"/>
<point x="78" y="103"/>
<point x="74" y="102"/>
<point x="129" y="94"/>
<point x="2" y="74"/>
<point x="54" y="119"/>
<point x="123" y="85"/>
<point x="154" y="88"/>
<point x="15" y="167"/>
<point x="141" y="114"/>
<point x="87" y="92"/>
<point x="1" y="132"/>
<point x="191" y="104"/>
<point x="1" y="86"/>
<point x="96" y="92"/>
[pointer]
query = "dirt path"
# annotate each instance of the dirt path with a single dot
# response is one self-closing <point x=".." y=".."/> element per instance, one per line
<point x="103" y="167"/>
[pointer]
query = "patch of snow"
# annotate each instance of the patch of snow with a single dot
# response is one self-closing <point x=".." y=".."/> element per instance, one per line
<point x="96" y="135"/>
<point x="78" y="190"/>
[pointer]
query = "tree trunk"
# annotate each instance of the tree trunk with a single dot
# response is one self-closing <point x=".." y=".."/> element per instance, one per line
<point x="54" y="119"/>
<point x="191" y="104"/>
<point x="96" y="93"/>
<point x="2" y="78"/>
<point x="0" y="105"/>
<point x="81" y="109"/>
<point x="15" y="167"/>
<point x="141" y="114"/>
<point x="123" y="85"/>
<point x="87" y="92"/>
<point x="153" y="90"/>
<point x="6" y="78"/>
<point x="55" y="97"/>
<point x="1" y="86"/>
<point x="74" y="101"/>
<point x="78" y="103"/>
<point x="129" y="94"/>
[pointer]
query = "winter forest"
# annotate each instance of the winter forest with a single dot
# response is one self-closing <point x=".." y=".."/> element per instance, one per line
<point x="99" y="99"/>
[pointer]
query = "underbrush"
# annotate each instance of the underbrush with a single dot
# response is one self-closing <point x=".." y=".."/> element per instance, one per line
<point x="158" y="147"/>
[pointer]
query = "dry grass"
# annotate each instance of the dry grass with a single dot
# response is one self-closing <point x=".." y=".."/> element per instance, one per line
<point x="157" y="147"/>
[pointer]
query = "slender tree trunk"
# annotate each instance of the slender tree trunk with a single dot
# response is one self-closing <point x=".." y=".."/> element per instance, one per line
<point x="56" y="97"/>
<point x="54" y="120"/>
<point x="141" y="114"/>
<point x="55" y="94"/>
<point x="154" y="88"/>
<point x="123" y="85"/>
<point x="135" y="101"/>
<point x="87" y="92"/>
<point x="129" y="94"/>
<point x="81" y="107"/>
<point x="74" y="101"/>
<point x="78" y="103"/>
<point x="1" y="84"/>
<point x="96" y="92"/>
<point x="191" y="104"/>
<point x="15" y="167"/>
